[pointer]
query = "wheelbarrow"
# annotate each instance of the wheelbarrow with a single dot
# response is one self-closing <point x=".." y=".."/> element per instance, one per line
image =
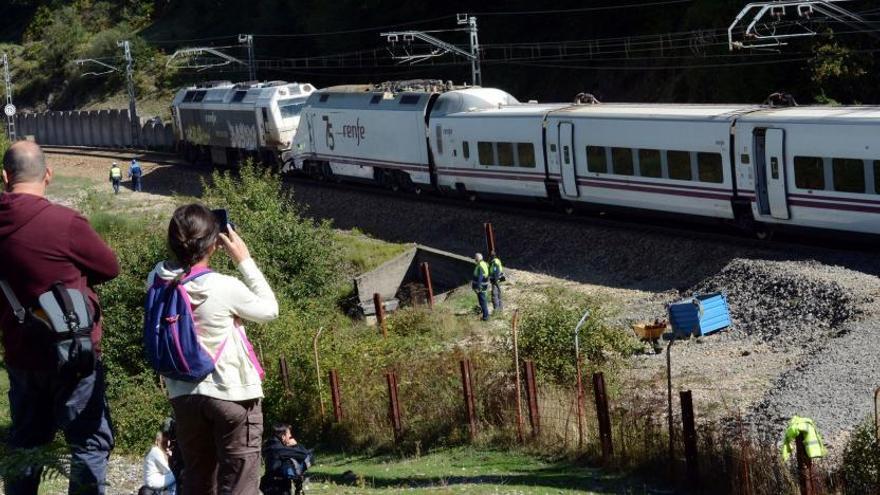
<point x="651" y="333"/>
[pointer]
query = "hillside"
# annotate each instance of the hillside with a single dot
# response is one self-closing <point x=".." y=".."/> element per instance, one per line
<point x="654" y="51"/>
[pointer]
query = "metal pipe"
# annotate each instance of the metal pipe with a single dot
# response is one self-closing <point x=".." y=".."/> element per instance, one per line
<point x="318" y="371"/>
<point x="669" y="405"/>
<point x="519" y="418"/>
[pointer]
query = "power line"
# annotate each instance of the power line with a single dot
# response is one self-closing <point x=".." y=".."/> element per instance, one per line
<point x="352" y="31"/>
<point x="585" y="9"/>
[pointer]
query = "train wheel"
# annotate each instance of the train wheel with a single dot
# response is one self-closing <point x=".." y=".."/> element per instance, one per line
<point x="762" y="232"/>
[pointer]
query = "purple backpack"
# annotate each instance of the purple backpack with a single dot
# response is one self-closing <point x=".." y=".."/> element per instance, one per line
<point x="170" y="333"/>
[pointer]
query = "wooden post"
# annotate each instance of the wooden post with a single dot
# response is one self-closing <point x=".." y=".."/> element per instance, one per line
<point x="805" y="468"/>
<point x="604" y="417"/>
<point x="490" y="239"/>
<point x="532" y="397"/>
<point x="285" y="377"/>
<point x="334" y="394"/>
<point x="519" y="418"/>
<point x="689" y="434"/>
<point x="393" y="405"/>
<point x="426" y="277"/>
<point x="468" y="389"/>
<point x="380" y="313"/>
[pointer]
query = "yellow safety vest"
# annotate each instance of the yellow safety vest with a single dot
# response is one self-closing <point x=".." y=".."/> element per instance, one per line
<point x="481" y="268"/>
<point x="497" y="269"/>
<point x="115" y="173"/>
<point x="812" y="440"/>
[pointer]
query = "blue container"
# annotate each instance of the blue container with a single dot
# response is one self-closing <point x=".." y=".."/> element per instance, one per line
<point x="699" y="315"/>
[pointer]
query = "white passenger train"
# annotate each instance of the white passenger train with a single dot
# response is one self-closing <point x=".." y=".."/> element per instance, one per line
<point x="222" y="122"/>
<point x="758" y="166"/>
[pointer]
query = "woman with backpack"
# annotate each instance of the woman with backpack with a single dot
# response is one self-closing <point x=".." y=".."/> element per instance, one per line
<point x="219" y="416"/>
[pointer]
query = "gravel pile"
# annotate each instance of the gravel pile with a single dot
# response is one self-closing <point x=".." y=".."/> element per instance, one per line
<point x="783" y="303"/>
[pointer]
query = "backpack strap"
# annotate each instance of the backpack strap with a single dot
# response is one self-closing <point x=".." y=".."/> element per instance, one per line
<point x="17" y="309"/>
<point x="195" y="273"/>
<point x="66" y="303"/>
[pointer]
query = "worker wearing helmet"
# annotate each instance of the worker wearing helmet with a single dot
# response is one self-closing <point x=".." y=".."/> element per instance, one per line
<point x="115" y="177"/>
<point x="480" y="284"/>
<point x="496" y="276"/>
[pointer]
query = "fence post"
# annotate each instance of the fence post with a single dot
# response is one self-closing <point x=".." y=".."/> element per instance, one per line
<point x="490" y="239"/>
<point x="334" y="394"/>
<point x="393" y="405"/>
<point x="669" y="418"/>
<point x="426" y="277"/>
<point x="519" y="418"/>
<point x="689" y="433"/>
<point x="467" y="387"/>
<point x="603" y="417"/>
<point x="285" y="377"/>
<point x="805" y="468"/>
<point x="876" y="413"/>
<point x="380" y="313"/>
<point x="580" y="405"/>
<point x="318" y="372"/>
<point x="745" y="459"/>
<point x="532" y="397"/>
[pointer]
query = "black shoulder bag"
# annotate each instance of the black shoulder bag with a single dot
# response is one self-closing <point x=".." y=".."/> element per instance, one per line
<point x="64" y="314"/>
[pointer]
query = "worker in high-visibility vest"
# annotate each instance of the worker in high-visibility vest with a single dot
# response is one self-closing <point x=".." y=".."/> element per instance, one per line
<point x="496" y="276"/>
<point x="115" y="177"/>
<point x="480" y="284"/>
<point x="812" y="440"/>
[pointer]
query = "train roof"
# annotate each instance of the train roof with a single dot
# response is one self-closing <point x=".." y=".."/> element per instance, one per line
<point x="517" y="110"/>
<point x="816" y="114"/>
<point x="660" y="111"/>
<point x="227" y="92"/>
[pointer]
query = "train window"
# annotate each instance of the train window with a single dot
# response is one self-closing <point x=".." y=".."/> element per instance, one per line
<point x="323" y="98"/>
<point x="849" y="175"/>
<point x="809" y="172"/>
<point x="622" y="161"/>
<point x="596" y="161"/>
<point x="877" y="176"/>
<point x="486" y="152"/>
<point x="238" y="96"/>
<point x="744" y="158"/>
<point x="679" y="165"/>
<point x="290" y="108"/>
<point x="199" y="96"/>
<point x="709" y="167"/>
<point x="375" y="99"/>
<point x="409" y="99"/>
<point x="552" y="148"/>
<point x="525" y="154"/>
<point x="465" y="150"/>
<point x="505" y="154"/>
<point x="649" y="163"/>
<point x="188" y="96"/>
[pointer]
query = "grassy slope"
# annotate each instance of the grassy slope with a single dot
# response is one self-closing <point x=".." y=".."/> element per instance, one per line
<point x="458" y="470"/>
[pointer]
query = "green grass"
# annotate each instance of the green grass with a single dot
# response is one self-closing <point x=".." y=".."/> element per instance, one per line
<point x="363" y="253"/>
<point x="461" y="470"/>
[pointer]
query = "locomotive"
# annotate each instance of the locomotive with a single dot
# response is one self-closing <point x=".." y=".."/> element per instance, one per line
<point x="221" y="122"/>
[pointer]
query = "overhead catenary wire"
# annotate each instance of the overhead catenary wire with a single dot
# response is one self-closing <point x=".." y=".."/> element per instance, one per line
<point x="583" y="9"/>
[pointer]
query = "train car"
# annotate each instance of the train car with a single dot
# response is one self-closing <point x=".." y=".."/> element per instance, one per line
<point x="379" y="134"/>
<point x="811" y="167"/>
<point x="492" y="152"/>
<point x="663" y="158"/>
<point x="223" y="122"/>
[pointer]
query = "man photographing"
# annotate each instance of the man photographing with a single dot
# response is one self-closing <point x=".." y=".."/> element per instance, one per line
<point x="45" y="245"/>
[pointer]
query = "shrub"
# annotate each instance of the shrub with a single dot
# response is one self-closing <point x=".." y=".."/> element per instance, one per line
<point x="861" y="460"/>
<point x="546" y="334"/>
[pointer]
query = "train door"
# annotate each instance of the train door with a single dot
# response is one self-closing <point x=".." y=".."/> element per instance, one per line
<point x="770" y="184"/>
<point x="566" y="159"/>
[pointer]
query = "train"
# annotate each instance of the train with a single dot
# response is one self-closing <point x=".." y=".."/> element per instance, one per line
<point x="760" y="167"/>
<point x="222" y="123"/>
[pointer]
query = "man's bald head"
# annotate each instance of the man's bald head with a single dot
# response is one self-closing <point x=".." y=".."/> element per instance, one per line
<point x="24" y="162"/>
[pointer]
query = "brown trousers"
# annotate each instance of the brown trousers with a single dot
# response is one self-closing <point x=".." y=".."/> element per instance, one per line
<point x="220" y="442"/>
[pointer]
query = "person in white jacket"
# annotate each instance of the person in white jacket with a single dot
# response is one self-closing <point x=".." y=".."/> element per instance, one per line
<point x="220" y="419"/>
<point x="158" y="478"/>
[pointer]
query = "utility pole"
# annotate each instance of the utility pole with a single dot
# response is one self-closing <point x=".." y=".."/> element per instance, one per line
<point x="249" y="40"/>
<point x="441" y="47"/>
<point x="132" y="104"/>
<point x="476" y="71"/>
<point x="9" y="108"/>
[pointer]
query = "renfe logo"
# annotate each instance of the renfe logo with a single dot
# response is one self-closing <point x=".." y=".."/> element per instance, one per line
<point x="356" y="131"/>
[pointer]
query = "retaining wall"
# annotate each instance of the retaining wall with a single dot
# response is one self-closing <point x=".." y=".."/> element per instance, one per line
<point x="98" y="128"/>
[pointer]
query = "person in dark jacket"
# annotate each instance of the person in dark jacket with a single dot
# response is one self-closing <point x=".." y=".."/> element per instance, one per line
<point x="286" y="461"/>
<point x="43" y="243"/>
